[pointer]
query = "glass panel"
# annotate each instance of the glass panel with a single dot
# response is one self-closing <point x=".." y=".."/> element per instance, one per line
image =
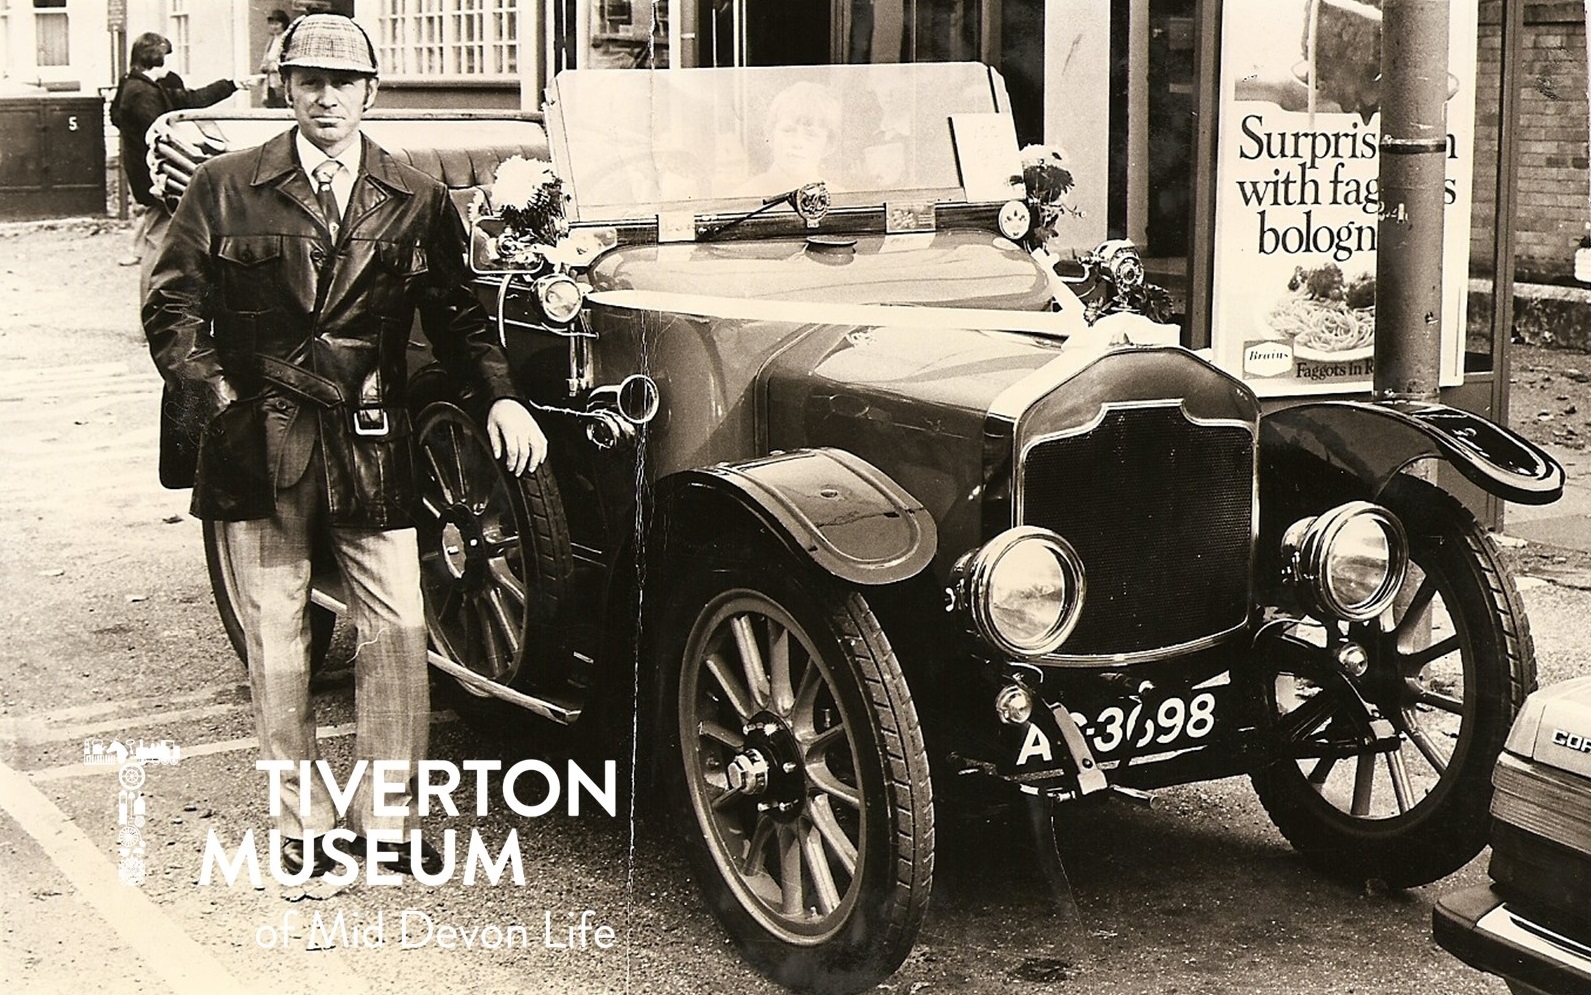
<point x="626" y="34"/>
<point x="707" y="139"/>
<point x="51" y="31"/>
<point x="882" y="31"/>
<point x="947" y="31"/>
<point x="1480" y="331"/>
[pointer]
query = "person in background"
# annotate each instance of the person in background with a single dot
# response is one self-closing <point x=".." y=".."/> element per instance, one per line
<point x="149" y="90"/>
<point x="276" y="22"/>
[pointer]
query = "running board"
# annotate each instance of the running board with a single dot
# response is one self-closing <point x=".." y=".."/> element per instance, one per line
<point x="562" y="714"/>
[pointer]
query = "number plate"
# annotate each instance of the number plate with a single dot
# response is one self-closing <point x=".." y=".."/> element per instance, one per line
<point x="1158" y="726"/>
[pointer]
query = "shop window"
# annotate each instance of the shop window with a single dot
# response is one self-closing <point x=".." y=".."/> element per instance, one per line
<point x="615" y="34"/>
<point x="448" y="38"/>
<point x="50" y="31"/>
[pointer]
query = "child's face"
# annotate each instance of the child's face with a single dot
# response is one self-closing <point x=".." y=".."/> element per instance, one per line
<point x="799" y="139"/>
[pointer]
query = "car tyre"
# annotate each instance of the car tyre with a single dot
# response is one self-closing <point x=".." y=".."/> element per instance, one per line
<point x="820" y="866"/>
<point x="1451" y="674"/>
<point x="495" y="556"/>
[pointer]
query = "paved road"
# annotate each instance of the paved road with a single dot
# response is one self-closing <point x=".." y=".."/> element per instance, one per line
<point x="107" y="632"/>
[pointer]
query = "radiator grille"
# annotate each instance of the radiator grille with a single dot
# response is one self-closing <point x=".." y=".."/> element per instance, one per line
<point x="1161" y="511"/>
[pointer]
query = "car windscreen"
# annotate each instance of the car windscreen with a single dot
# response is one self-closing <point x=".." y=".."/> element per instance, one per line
<point x="637" y="144"/>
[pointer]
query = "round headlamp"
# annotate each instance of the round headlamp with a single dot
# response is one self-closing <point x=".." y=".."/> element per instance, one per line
<point x="1023" y="591"/>
<point x="559" y="296"/>
<point x="1124" y="265"/>
<point x="1350" y="561"/>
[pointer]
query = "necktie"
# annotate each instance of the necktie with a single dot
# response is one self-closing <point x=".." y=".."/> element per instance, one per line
<point x="324" y="174"/>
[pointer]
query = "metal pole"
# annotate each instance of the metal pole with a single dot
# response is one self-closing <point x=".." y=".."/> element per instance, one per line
<point x="1412" y="180"/>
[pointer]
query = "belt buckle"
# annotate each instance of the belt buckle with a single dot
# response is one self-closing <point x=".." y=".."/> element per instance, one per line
<point x="370" y="421"/>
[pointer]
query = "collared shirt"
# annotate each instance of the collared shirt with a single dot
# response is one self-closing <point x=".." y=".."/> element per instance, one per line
<point x="342" y="185"/>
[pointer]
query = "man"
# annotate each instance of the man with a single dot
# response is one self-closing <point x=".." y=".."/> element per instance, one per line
<point x="287" y="286"/>
<point x="149" y="90"/>
<point x="276" y="23"/>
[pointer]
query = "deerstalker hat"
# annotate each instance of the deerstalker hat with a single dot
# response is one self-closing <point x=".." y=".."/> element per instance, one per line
<point x="327" y="41"/>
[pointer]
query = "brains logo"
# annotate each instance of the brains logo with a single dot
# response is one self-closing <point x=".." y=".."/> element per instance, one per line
<point x="1571" y="740"/>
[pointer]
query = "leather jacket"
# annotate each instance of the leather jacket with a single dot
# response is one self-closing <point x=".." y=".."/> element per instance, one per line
<point x="253" y="298"/>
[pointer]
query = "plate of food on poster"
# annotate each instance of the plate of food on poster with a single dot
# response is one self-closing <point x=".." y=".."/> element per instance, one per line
<point x="1327" y="316"/>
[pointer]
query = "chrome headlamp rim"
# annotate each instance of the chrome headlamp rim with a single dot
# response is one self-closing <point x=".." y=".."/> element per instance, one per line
<point x="974" y="580"/>
<point x="558" y="312"/>
<point x="1307" y="548"/>
<point x="1121" y="262"/>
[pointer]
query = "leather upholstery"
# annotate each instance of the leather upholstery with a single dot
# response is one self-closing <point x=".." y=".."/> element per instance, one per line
<point x="458" y="168"/>
<point x="464" y="171"/>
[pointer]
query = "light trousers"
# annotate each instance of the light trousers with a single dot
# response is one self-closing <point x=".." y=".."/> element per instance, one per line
<point x="381" y="570"/>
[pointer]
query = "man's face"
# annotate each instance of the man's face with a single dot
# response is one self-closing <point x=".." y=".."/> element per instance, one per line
<point x="329" y="104"/>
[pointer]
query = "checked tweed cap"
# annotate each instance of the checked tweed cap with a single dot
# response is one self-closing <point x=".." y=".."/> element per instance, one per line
<point x="328" y="41"/>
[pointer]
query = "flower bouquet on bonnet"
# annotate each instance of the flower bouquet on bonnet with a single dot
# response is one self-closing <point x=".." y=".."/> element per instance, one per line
<point x="520" y="224"/>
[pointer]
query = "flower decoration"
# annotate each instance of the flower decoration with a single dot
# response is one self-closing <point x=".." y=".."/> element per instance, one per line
<point x="1049" y="185"/>
<point x="528" y="197"/>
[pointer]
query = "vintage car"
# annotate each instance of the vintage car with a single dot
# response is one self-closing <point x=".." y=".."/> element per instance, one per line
<point x="858" y="505"/>
<point x="1532" y="923"/>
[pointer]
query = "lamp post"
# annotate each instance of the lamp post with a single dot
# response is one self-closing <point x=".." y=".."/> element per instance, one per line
<point x="1413" y="156"/>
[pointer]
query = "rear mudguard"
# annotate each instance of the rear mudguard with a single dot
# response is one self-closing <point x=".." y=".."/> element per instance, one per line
<point x="826" y="505"/>
<point x="1373" y="441"/>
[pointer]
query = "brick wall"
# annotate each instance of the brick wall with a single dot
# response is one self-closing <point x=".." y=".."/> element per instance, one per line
<point x="1553" y="204"/>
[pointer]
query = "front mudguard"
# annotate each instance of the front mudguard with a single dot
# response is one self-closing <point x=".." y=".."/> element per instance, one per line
<point x="824" y="505"/>
<point x="1372" y="441"/>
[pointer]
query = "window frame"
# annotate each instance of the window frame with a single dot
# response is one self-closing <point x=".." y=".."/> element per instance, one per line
<point x="448" y="41"/>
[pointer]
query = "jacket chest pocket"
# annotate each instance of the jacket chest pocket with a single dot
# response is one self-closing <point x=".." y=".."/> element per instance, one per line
<point x="250" y="271"/>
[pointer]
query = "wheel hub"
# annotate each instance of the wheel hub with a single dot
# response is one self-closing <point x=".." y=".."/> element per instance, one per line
<point x="748" y="773"/>
<point x="1379" y="682"/>
<point x="768" y="767"/>
<point x="462" y="546"/>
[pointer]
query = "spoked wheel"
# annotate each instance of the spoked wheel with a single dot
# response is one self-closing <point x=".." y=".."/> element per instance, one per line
<point x="797" y="770"/>
<point x="326" y="588"/>
<point x="494" y="550"/>
<point x="1387" y="774"/>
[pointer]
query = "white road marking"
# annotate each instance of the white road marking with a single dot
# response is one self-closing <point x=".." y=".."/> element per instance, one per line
<point x="27" y="377"/>
<point x="68" y="771"/>
<point x="159" y="941"/>
<point x="75" y="713"/>
<point x="28" y="732"/>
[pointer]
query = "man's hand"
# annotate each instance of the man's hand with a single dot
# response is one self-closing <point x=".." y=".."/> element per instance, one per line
<point x="224" y="393"/>
<point x="516" y="438"/>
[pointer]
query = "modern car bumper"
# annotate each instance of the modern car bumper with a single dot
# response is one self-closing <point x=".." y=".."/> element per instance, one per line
<point x="1477" y="927"/>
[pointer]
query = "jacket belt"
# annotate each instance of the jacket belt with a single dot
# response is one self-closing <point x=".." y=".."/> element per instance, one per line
<point x="303" y="385"/>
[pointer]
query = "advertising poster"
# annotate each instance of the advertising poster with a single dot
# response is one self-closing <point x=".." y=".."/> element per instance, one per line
<point x="1296" y="202"/>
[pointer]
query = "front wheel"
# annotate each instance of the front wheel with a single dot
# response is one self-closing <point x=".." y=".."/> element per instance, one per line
<point x="1388" y="774"/>
<point x="494" y="553"/>
<point x="796" y="768"/>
